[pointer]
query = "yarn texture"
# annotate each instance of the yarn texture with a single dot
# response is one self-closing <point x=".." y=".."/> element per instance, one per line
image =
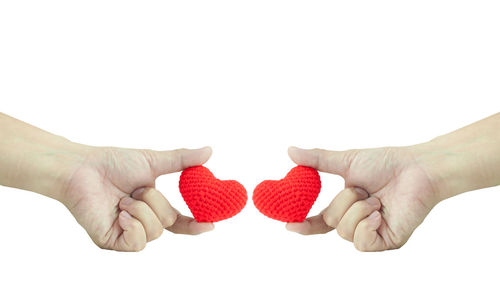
<point x="291" y="198"/>
<point x="208" y="198"/>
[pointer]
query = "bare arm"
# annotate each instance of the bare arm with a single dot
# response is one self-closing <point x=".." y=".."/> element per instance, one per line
<point x="35" y="160"/>
<point x="110" y="191"/>
<point x="390" y="190"/>
<point x="463" y="160"/>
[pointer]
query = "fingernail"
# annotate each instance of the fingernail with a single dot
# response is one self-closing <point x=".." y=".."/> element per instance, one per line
<point x="138" y="192"/>
<point x="205" y="148"/>
<point x="373" y="215"/>
<point x="361" y="191"/>
<point x="125" y="214"/>
<point x="293" y="227"/>
<point x="127" y="200"/>
<point x="372" y="201"/>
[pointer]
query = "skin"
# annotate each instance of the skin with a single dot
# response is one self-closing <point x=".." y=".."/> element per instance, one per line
<point x="110" y="191"/>
<point x="389" y="191"/>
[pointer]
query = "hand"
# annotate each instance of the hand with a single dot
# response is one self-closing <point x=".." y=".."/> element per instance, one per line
<point x="112" y="195"/>
<point x="387" y="195"/>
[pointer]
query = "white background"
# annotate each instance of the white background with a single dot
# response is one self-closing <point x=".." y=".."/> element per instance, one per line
<point x="249" y="78"/>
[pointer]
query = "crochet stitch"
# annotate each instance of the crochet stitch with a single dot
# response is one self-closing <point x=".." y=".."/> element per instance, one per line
<point x="208" y="198"/>
<point x="291" y="198"/>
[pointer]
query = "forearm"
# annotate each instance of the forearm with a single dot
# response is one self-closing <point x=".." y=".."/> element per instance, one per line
<point x="463" y="160"/>
<point x="33" y="159"/>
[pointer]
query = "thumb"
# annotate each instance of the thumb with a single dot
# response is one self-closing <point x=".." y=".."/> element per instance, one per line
<point x="170" y="161"/>
<point x="334" y="162"/>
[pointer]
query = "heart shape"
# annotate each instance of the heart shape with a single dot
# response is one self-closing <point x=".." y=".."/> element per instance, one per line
<point x="291" y="198"/>
<point x="208" y="198"/>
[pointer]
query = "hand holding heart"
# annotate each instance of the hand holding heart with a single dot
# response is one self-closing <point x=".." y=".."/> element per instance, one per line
<point x="387" y="195"/>
<point x="112" y="194"/>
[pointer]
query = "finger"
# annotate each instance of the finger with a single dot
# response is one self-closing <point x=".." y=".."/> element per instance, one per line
<point x="133" y="237"/>
<point x="358" y="211"/>
<point x="165" y="213"/>
<point x="187" y="225"/>
<point x="341" y="203"/>
<point x="335" y="162"/>
<point x="142" y="212"/>
<point x="165" y="162"/>
<point x="366" y="237"/>
<point x="312" y="225"/>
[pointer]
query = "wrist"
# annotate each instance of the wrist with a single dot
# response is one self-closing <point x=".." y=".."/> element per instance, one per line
<point x="61" y="164"/>
<point x="431" y="158"/>
<point x="42" y="167"/>
<point x="36" y="160"/>
<point x="453" y="166"/>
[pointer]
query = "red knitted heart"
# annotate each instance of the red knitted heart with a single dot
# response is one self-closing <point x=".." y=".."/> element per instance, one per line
<point x="208" y="198"/>
<point x="291" y="198"/>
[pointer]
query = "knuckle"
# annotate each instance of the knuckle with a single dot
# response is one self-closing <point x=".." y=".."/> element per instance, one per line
<point x="176" y="159"/>
<point x="135" y="225"/>
<point x="177" y="153"/>
<point x="137" y="246"/>
<point x="361" y="246"/>
<point x="363" y="207"/>
<point x="136" y="206"/>
<point x="343" y="233"/>
<point x="148" y="153"/>
<point x="167" y="221"/>
<point x="362" y="227"/>
<point x="101" y="244"/>
<point x="359" y="243"/>
<point x="397" y="246"/>
<point x="156" y="233"/>
<point x="316" y="150"/>
<point x="352" y="194"/>
<point x="148" y="193"/>
<point x="398" y="242"/>
<point x="330" y="220"/>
